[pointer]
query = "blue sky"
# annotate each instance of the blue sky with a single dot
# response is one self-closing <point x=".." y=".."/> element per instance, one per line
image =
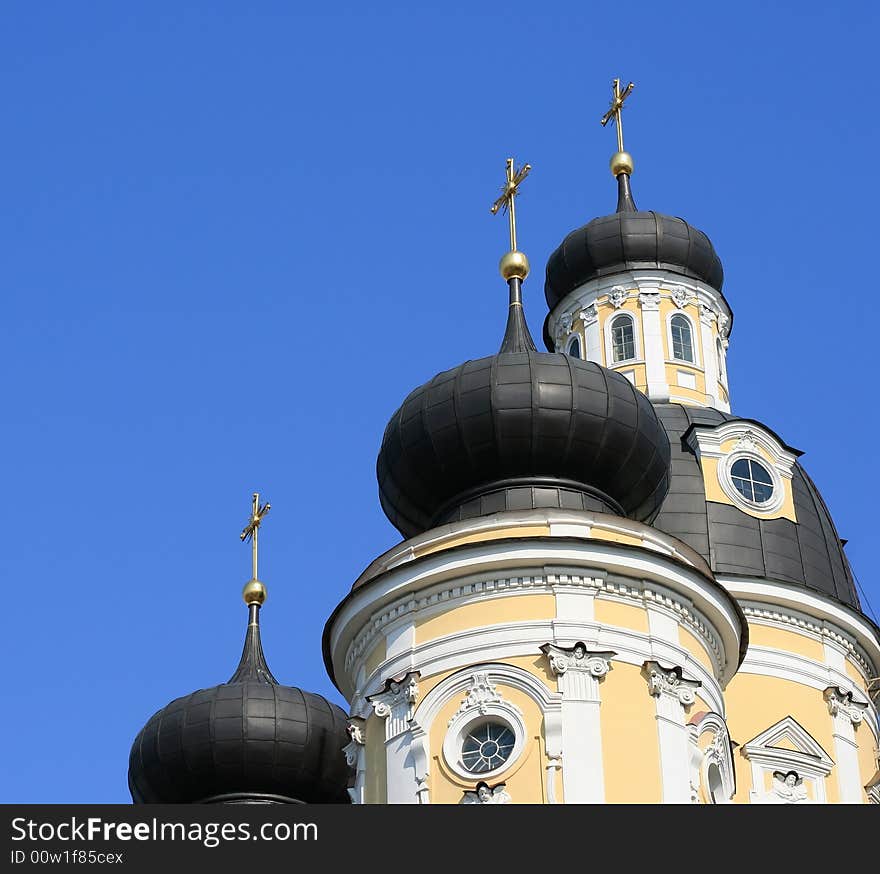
<point x="236" y="236"/>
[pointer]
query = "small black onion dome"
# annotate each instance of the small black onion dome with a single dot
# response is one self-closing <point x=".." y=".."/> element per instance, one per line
<point x="520" y="430"/>
<point x="250" y="740"/>
<point x="630" y="239"/>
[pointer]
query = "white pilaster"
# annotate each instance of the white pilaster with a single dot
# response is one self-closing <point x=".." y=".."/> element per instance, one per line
<point x="590" y="317"/>
<point x="578" y="673"/>
<point x="652" y="331"/>
<point x="354" y="755"/>
<point x="672" y="693"/>
<point x="847" y="714"/>
<point x="710" y="355"/>
<point x="395" y="704"/>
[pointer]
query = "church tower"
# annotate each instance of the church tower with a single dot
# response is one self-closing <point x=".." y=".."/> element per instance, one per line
<point x="610" y="587"/>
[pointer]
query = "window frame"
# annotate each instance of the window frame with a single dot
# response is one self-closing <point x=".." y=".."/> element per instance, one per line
<point x="695" y="346"/>
<point x="609" y="339"/>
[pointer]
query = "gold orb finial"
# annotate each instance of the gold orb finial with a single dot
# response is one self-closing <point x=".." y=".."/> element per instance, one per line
<point x="514" y="265"/>
<point x="254" y="592"/>
<point x="621" y="162"/>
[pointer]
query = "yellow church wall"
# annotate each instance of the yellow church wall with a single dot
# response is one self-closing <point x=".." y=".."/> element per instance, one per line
<point x="867" y="756"/>
<point x="695" y="647"/>
<point x="479" y="537"/>
<point x="755" y="702"/>
<point x="623" y="615"/>
<point x="524" y="779"/>
<point x="630" y="745"/>
<point x="492" y="611"/>
<point x="597" y="533"/>
<point x="714" y="492"/>
<point x="375" y="786"/>
<point x="856" y="675"/>
<point x="790" y="641"/>
<point x="376" y="657"/>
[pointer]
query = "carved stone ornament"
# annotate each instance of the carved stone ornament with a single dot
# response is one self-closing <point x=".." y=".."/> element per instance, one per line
<point x="355" y="746"/>
<point x="747" y="443"/>
<point x="723" y="325"/>
<point x="578" y="658"/>
<point x="681" y="297"/>
<point x="399" y="693"/>
<point x="485" y="794"/>
<point x="788" y="788"/>
<point x="482" y="692"/>
<point x="649" y="300"/>
<point x="707" y="314"/>
<point x="617" y="296"/>
<point x="589" y="314"/>
<point x="841" y="703"/>
<point x="669" y="681"/>
<point x="563" y="327"/>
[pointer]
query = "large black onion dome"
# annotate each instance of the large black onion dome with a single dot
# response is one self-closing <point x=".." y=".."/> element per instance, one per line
<point x="521" y="430"/>
<point x="250" y="740"/>
<point x="630" y="239"/>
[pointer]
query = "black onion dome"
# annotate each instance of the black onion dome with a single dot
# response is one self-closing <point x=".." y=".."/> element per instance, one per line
<point x="250" y="740"/>
<point x="807" y="553"/>
<point x="521" y="430"/>
<point x="630" y="239"/>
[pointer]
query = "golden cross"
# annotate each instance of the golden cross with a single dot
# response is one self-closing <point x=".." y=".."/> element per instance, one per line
<point x="508" y="192"/>
<point x="615" y="110"/>
<point x="253" y="526"/>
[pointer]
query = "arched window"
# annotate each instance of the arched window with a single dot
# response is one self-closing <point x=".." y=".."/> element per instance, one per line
<point x="682" y="338"/>
<point x="623" y="343"/>
<point x="574" y="347"/>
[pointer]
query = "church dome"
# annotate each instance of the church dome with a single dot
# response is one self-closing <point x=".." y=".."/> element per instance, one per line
<point x="806" y="553"/>
<point x="249" y="740"/>
<point x="630" y="239"/>
<point x="521" y="430"/>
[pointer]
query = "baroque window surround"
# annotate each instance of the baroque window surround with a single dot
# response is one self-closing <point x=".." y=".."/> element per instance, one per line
<point x="776" y="459"/>
<point x="609" y="340"/>
<point x="696" y="363"/>
<point x="717" y="754"/>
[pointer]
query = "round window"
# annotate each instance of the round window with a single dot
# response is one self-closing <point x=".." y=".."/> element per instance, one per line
<point x="752" y="480"/>
<point x="486" y="746"/>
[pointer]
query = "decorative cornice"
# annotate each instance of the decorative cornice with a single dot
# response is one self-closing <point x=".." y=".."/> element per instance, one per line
<point x="578" y="658"/>
<point x="756" y="611"/>
<point x="627" y="591"/>
<point x="841" y="703"/>
<point x="670" y="682"/>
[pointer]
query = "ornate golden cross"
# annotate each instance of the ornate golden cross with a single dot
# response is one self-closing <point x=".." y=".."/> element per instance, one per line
<point x="508" y="192"/>
<point x="252" y="528"/>
<point x="615" y="110"/>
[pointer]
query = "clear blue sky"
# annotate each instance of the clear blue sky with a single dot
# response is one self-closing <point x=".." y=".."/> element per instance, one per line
<point x="236" y="236"/>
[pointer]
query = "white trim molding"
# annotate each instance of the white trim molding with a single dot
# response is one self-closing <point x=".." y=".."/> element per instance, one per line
<point x="609" y="340"/>
<point x="712" y="768"/>
<point x="807" y="760"/>
<point x="696" y="343"/>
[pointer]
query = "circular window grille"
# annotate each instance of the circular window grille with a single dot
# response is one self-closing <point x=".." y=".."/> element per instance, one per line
<point x="752" y="480"/>
<point x="486" y="746"/>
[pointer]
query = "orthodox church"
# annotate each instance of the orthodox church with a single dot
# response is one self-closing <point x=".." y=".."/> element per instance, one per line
<point x="610" y="588"/>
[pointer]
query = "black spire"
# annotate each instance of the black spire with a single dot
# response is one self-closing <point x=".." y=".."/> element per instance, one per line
<point x="625" y="202"/>
<point x="516" y="335"/>
<point x="252" y="667"/>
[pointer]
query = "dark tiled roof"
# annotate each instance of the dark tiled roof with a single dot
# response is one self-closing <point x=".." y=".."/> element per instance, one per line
<point x="808" y="553"/>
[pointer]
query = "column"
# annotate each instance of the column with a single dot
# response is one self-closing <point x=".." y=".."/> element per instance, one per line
<point x="672" y="694"/>
<point x="578" y="672"/>
<point x="396" y="704"/>
<point x="710" y="356"/>
<point x="590" y="317"/>
<point x="655" y="360"/>
<point x="847" y="714"/>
